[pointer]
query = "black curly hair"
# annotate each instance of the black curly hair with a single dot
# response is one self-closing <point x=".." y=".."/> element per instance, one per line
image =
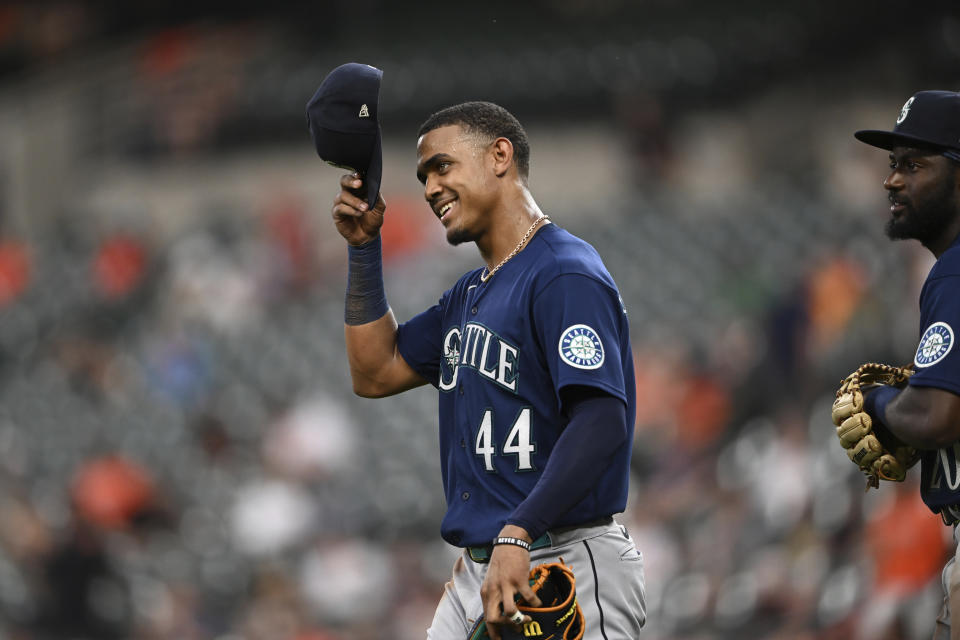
<point x="488" y="120"/>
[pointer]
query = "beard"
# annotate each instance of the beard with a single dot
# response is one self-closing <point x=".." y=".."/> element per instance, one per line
<point x="927" y="220"/>
<point x="459" y="235"/>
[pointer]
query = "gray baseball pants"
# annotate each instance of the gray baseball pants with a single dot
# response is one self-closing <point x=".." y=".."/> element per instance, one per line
<point x="951" y="595"/>
<point x="608" y="570"/>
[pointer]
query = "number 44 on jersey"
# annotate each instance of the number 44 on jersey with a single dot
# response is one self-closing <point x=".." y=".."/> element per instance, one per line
<point x="518" y="441"/>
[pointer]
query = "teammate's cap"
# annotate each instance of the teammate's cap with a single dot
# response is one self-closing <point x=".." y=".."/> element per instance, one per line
<point x="343" y="120"/>
<point x="928" y="119"/>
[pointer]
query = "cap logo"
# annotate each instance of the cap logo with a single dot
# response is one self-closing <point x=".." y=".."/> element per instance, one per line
<point x="364" y="112"/>
<point x="905" y="110"/>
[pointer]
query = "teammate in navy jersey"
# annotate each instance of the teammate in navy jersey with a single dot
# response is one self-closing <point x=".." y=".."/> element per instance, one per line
<point x="924" y="192"/>
<point x="531" y="358"/>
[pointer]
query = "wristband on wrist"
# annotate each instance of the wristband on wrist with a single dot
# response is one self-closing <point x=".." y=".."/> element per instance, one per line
<point x="875" y="403"/>
<point x="523" y="544"/>
<point x="365" y="300"/>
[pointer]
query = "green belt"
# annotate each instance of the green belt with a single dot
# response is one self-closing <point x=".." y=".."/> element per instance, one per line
<point x="482" y="554"/>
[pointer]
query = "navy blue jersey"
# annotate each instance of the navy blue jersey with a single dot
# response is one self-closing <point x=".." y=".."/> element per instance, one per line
<point x="499" y="352"/>
<point x="937" y="364"/>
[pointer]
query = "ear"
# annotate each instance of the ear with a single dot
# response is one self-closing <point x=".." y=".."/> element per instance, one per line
<point x="502" y="153"/>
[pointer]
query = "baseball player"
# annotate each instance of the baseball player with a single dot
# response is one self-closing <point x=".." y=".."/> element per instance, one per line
<point x="530" y="355"/>
<point x="924" y="191"/>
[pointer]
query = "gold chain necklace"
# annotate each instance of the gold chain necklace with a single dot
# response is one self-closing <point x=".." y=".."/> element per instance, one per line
<point x="486" y="276"/>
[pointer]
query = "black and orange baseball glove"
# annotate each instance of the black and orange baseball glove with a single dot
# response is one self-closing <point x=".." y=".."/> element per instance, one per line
<point x="559" y="617"/>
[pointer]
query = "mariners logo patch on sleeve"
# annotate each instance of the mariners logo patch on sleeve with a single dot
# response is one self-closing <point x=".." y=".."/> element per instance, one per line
<point x="580" y="347"/>
<point x="935" y="344"/>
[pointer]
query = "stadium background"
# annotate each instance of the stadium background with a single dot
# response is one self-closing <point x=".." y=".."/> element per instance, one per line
<point x="180" y="453"/>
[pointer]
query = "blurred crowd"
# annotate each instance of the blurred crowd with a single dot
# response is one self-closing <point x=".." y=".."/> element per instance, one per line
<point x="181" y="455"/>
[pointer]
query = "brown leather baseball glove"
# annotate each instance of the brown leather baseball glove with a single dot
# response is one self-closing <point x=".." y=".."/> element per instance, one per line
<point x="870" y="445"/>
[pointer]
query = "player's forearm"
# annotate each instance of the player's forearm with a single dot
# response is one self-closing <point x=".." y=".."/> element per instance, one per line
<point x="597" y="429"/>
<point x="371" y="347"/>
<point x="365" y="300"/>
<point x="924" y="417"/>
<point x="370" y="329"/>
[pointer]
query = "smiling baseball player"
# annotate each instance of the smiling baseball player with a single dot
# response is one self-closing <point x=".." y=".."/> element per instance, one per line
<point x="531" y="358"/>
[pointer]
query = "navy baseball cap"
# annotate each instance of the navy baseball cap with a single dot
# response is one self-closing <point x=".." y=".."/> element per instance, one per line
<point x="343" y="121"/>
<point x="927" y="119"/>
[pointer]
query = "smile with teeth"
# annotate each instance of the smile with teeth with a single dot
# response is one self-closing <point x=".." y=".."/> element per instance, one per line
<point x="445" y="208"/>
